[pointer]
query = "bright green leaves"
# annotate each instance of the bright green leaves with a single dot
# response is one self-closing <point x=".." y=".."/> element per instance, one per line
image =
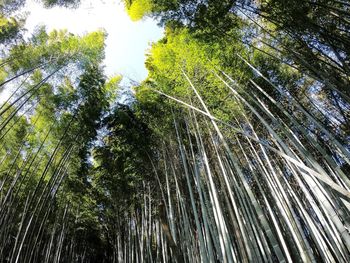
<point x="3" y="76"/>
<point x="58" y="48"/>
<point x="9" y="28"/>
<point x="112" y="88"/>
<point x="137" y="9"/>
<point x="209" y="16"/>
<point x="178" y="53"/>
<point x="91" y="47"/>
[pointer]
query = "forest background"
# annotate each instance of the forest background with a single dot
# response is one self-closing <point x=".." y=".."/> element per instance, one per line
<point x="234" y="148"/>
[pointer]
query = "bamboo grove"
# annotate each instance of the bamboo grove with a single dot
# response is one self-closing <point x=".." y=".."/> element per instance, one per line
<point x="235" y="148"/>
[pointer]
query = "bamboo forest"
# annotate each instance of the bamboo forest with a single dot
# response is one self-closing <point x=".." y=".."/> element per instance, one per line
<point x="234" y="148"/>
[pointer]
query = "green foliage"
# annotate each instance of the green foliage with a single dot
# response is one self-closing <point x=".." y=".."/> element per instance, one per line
<point x="123" y="160"/>
<point x="59" y="48"/>
<point x="9" y="29"/>
<point x="180" y="52"/>
<point x="47" y="130"/>
<point x="83" y="178"/>
<point x="112" y="88"/>
<point x="137" y="9"/>
<point x="207" y="15"/>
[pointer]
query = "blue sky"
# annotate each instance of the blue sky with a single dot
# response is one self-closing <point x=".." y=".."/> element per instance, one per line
<point x="127" y="41"/>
